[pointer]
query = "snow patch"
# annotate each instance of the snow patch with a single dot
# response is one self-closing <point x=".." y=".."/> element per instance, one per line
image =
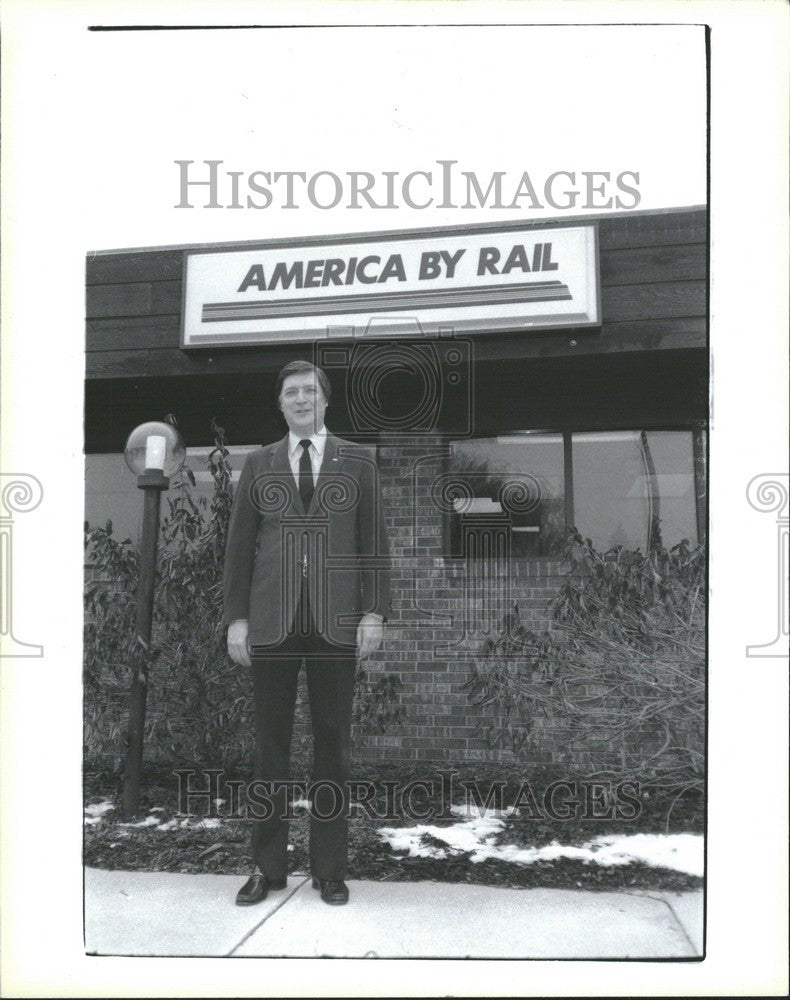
<point x="473" y="811"/>
<point x="478" y="837"/>
<point x="685" y="852"/>
<point x="169" y="824"/>
<point x="179" y="822"/>
<point x="148" y="821"/>
<point x="97" y="810"/>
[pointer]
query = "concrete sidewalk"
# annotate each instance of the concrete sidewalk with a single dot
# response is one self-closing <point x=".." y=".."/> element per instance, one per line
<point x="157" y="913"/>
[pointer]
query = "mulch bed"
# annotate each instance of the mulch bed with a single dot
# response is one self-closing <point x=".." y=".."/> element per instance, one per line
<point x="223" y="849"/>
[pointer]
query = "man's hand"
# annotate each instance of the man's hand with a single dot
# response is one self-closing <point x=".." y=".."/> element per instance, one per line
<point x="238" y="649"/>
<point x="370" y="632"/>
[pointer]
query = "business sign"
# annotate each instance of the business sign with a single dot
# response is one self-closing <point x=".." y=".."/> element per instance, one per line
<point x="518" y="279"/>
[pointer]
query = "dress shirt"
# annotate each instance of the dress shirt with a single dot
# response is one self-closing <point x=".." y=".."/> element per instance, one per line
<point x="316" y="452"/>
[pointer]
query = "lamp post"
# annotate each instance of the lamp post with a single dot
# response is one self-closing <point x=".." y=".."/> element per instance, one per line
<point x="154" y="452"/>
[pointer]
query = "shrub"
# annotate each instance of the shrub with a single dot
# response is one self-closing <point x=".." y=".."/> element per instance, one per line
<point x="621" y="671"/>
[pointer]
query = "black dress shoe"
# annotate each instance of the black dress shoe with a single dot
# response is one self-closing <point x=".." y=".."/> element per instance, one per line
<point x="256" y="889"/>
<point x="333" y="891"/>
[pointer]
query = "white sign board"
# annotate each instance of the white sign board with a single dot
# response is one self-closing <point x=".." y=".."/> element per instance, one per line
<point x="513" y="279"/>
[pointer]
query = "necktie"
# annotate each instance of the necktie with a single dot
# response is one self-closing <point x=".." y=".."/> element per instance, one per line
<point x="306" y="487"/>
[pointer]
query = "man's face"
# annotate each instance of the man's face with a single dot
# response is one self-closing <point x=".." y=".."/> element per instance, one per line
<point x="303" y="403"/>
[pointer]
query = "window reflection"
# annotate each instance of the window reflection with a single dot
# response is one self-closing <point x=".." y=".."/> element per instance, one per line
<point x="630" y="488"/>
<point x="634" y="488"/>
<point x="519" y="479"/>
<point x="111" y="492"/>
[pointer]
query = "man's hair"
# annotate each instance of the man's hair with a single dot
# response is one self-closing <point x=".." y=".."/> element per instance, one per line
<point x="297" y="368"/>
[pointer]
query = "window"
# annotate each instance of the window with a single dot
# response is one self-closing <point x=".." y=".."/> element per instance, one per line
<point x="634" y="488"/>
<point x="517" y="480"/>
<point x="111" y="492"/>
<point x="631" y="488"/>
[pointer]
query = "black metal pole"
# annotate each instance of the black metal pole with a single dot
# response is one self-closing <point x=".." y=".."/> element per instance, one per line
<point x="152" y="482"/>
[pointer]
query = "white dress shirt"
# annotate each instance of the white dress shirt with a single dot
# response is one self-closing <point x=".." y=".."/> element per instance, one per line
<point x="316" y="452"/>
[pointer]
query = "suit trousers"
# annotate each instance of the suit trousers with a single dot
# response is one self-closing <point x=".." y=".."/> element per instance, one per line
<point x="330" y="685"/>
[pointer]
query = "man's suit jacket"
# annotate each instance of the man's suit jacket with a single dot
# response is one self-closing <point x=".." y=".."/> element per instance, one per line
<point x="338" y="548"/>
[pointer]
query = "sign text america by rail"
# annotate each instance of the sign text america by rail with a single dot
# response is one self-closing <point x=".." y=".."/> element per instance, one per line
<point x="369" y="270"/>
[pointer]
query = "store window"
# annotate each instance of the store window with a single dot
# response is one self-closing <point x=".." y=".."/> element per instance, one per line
<point x="111" y="492"/>
<point x="516" y="480"/>
<point x="633" y="488"/>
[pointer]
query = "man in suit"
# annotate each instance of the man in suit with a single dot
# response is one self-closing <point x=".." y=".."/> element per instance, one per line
<point x="306" y="578"/>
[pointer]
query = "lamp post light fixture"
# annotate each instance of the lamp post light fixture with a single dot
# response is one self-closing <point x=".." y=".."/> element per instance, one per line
<point x="154" y="452"/>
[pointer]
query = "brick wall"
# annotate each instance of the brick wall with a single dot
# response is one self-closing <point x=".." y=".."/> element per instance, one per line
<point x="442" y="611"/>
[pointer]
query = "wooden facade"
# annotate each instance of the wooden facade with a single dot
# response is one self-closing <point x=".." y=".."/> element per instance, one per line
<point x="646" y="365"/>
